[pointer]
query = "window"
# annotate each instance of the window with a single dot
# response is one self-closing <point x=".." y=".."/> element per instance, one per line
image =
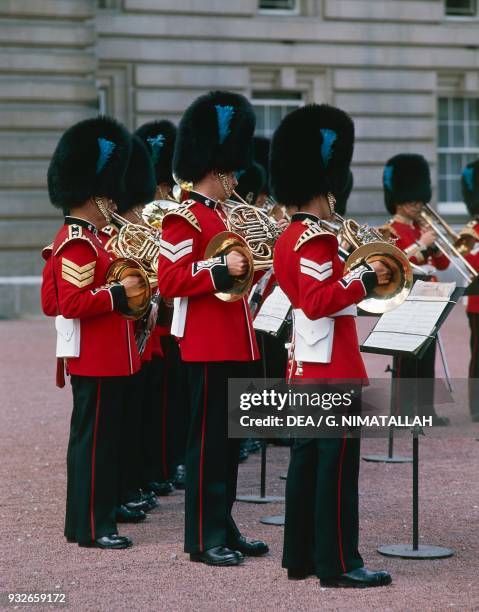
<point x="270" y="108"/>
<point x="278" y="5"/>
<point x="458" y="139"/>
<point x="461" y="8"/>
<point x="108" y="4"/>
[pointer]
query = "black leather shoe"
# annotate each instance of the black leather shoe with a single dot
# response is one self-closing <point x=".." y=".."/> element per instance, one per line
<point x="113" y="542"/>
<point x="125" y="515"/>
<point x="179" y="479"/>
<point x="219" y="555"/>
<point x="137" y="504"/>
<point x="243" y="454"/>
<point x="255" y="548"/>
<point x="150" y="500"/>
<point x="160" y="488"/>
<point x="360" y="578"/>
<point x="253" y="445"/>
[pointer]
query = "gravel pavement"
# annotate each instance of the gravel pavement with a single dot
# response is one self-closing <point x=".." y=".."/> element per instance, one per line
<point x="156" y="575"/>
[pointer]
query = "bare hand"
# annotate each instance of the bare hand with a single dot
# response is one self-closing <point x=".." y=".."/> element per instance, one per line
<point x="382" y="272"/>
<point x="282" y="224"/>
<point x="428" y="238"/>
<point x="134" y="286"/>
<point x="237" y="264"/>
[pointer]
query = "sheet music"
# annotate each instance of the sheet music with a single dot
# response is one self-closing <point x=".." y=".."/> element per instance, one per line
<point x="273" y="312"/>
<point x="407" y="327"/>
<point x="398" y="342"/>
<point x="412" y="317"/>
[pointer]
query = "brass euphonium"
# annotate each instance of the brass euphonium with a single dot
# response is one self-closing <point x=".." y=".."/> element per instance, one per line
<point x="370" y="245"/>
<point x="137" y="248"/>
<point x="252" y="233"/>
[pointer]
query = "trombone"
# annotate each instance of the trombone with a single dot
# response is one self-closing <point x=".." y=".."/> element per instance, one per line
<point x="448" y="242"/>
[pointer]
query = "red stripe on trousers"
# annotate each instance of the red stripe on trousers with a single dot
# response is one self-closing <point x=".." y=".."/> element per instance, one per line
<point x="202" y="454"/>
<point x="93" y="459"/>
<point x="340" y="533"/>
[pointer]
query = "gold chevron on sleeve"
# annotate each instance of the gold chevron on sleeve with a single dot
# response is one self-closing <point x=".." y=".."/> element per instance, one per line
<point x="80" y="276"/>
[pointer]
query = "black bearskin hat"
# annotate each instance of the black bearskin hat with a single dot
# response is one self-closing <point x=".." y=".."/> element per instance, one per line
<point x="261" y="157"/>
<point x="90" y="160"/>
<point x="215" y="133"/>
<point x="343" y="196"/>
<point x="470" y="187"/>
<point x="140" y="183"/>
<point x="310" y="154"/>
<point x="159" y="137"/>
<point x="251" y="183"/>
<point x="406" y="178"/>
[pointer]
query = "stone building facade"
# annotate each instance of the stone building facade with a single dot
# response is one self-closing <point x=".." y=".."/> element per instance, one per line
<point x="406" y="70"/>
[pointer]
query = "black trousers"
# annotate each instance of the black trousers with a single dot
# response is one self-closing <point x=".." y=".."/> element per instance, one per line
<point x="131" y="456"/>
<point x="211" y="458"/>
<point x="405" y="367"/>
<point x="165" y="415"/>
<point x="321" y="528"/>
<point x="474" y="363"/>
<point x="174" y="409"/>
<point x="93" y="467"/>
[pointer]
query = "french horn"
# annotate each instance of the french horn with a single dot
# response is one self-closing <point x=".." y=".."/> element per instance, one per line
<point x="137" y="248"/>
<point x="370" y="245"/>
<point x="251" y="232"/>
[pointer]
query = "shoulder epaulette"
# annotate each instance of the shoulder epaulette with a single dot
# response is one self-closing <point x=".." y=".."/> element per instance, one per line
<point x="312" y="230"/>
<point x="75" y="232"/>
<point x="187" y="214"/>
<point x="47" y="251"/>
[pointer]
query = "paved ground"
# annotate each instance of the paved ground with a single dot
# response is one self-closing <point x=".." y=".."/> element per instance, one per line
<point x="156" y="575"/>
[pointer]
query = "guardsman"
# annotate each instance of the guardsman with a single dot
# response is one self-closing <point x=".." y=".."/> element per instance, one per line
<point x="166" y="422"/>
<point x="407" y="187"/>
<point x="139" y="188"/>
<point x="85" y="178"/>
<point x="470" y="193"/>
<point x="216" y="338"/>
<point x="310" y="156"/>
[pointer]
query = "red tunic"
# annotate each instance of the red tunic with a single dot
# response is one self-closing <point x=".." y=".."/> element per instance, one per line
<point x="79" y="264"/>
<point x="473" y="259"/>
<point x="213" y="330"/>
<point x="408" y="236"/>
<point x="309" y="270"/>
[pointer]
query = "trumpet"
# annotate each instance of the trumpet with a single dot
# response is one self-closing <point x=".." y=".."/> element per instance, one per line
<point x="137" y="248"/>
<point x="252" y="233"/>
<point x="370" y="245"/>
<point x="448" y="242"/>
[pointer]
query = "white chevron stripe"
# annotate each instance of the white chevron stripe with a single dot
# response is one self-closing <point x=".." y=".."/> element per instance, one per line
<point x="173" y="257"/>
<point x="175" y="248"/>
<point x="308" y="263"/>
<point x="320" y="276"/>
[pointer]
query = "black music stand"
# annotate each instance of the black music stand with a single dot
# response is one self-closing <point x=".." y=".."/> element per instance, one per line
<point x="390" y="457"/>
<point x="262" y="498"/>
<point x="416" y="550"/>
